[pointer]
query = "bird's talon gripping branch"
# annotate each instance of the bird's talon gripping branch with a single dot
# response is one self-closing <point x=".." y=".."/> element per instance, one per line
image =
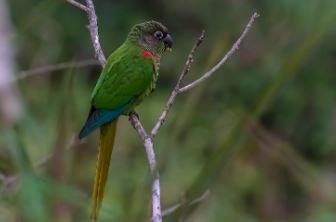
<point x="133" y="113"/>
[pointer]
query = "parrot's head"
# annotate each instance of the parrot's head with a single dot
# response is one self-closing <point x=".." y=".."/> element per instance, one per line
<point x="152" y="36"/>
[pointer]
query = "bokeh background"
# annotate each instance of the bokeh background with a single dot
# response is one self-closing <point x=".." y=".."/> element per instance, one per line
<point x="256" y="142"/>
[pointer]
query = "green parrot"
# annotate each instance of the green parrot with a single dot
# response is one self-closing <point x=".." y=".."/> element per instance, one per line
<point x="130" y="74"/>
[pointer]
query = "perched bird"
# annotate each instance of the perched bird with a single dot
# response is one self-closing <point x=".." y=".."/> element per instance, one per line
<point x="130" y="74"/>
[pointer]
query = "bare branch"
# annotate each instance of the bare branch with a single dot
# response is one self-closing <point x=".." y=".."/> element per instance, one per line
<point x="134" y="120"/>
<point x="205" y="76"/>
<point x="93" y="27"/>
<point x="177" y="90"/>
<point x="174" y="93"/>
<point x="55" y="67"/>
<point x="172" y="209"/>
<point x="78" y="5"/>
<point x="148" y="143"/>
<point x="233" y="49"/>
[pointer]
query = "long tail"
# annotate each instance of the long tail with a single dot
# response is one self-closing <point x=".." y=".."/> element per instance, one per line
<point x="107" y="135"/>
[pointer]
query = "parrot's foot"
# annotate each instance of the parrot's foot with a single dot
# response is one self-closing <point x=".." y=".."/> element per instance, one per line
<point x="133" y="113"/>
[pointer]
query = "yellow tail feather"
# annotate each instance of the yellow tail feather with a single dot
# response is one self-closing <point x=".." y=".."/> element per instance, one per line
<point x="107" y="134"/>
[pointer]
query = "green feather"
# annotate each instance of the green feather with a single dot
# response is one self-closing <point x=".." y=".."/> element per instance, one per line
<point x="127" y="75"/>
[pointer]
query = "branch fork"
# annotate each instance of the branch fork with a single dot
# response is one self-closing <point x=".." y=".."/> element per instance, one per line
<point x="147" y="138"/>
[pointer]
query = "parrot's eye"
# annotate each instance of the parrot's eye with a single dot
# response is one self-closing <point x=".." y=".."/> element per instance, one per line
<point x="158" y="35"/>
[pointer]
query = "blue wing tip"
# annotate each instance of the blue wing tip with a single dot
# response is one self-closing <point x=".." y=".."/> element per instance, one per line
<point x="99" y="117"/>
<point x="83" y="133"/>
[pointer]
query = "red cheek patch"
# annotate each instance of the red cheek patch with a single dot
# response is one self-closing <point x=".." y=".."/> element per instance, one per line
<point x="147" y="54"/>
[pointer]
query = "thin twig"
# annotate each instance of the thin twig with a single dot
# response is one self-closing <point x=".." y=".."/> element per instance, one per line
<point x="55" y="67"/>
<point x="177" y="90"/>
<point x="172" y="209"/>
<point x="148" y="143"/>
<point x="233" y="49"/>
<point x="174" y="93"/>
<point x="93" y="27"/>
<point x="78" y="5"/>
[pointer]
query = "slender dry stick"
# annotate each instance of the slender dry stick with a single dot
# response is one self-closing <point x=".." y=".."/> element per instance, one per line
<point x="78" y="5"/>
<point x="177" y="90"/>
<point x="172" y="209"/>
<point x="93" y="27"/>
<point x="174" y="93"/>
<point x="233" y="49"/>
<point x="55" y="67"/>
<point x="148" y="143"/>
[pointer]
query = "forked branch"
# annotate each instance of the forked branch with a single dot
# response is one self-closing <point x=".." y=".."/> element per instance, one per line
<point x="147" y="138"/>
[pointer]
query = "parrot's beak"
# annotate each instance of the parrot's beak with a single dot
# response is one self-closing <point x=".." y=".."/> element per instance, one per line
<point x="168" y="41"/>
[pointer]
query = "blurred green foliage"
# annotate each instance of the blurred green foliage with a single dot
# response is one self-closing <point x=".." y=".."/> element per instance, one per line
<point x="259" y="135"/>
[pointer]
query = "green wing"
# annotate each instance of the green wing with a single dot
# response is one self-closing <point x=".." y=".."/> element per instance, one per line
<point x="126" y="76"/>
